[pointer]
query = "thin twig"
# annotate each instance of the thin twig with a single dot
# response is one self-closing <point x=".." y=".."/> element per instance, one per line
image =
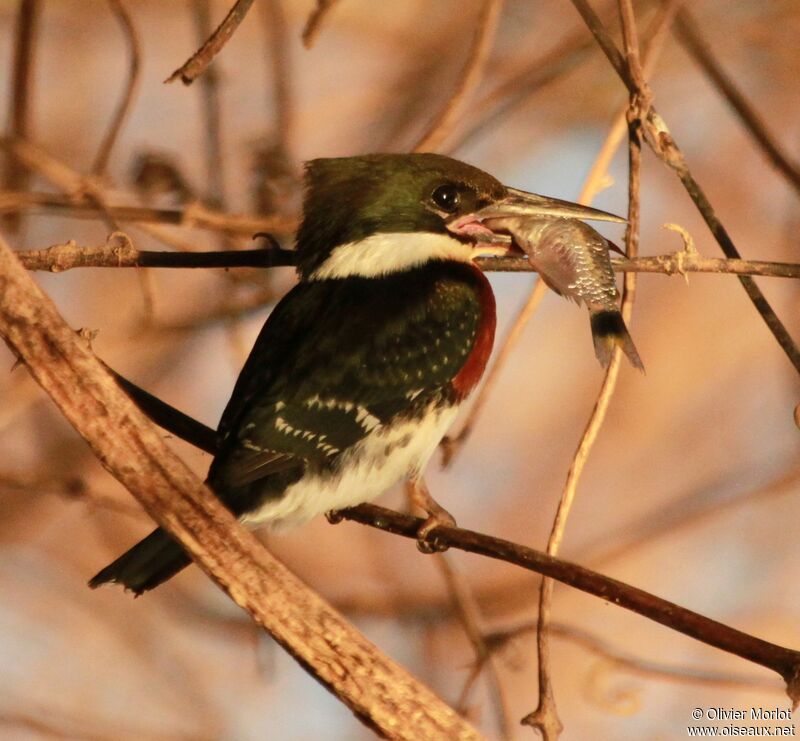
<point x="15" y="177"/>
<point x="501" y="102"/>
<point x="124" y="106"/>
<point x="498" y="599"/>
<point x="118" y="252"/>
<point x="596" y="180"/>
<point x="692" y="39"/>
<point x="469" y="615"/>
<point x="470" y="77"/>
<point x="193" y="67"/>
<point x="631" y="663"/>
<point x="278" y="67"/>
<point x="660" y="140"/>
<point x="545" y="717"/>
<point x="784" y="661"/>
<point x="71" y="255"/>
<point x="695" y="507"/>
<point x="209" y="88"/>
<point x="380" y="692"/>
<point x="314" y="22"/>
<point x="193" y="216"/>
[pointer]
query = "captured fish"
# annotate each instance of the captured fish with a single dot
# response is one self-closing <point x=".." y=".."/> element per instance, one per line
<point x="573" y="260"/>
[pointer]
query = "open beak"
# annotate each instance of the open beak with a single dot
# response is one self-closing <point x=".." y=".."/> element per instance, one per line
<point x="519" y="203"/>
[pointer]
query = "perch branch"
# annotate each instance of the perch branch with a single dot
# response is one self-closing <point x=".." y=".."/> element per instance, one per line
<point x="119" y="252"/>
<point x="379" y="692"/>
<point x="783" y="661"/>
<point x="114" y="255"/>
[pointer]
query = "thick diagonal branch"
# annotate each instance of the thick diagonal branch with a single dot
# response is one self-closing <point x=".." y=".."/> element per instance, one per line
<point x="380" y="692"/>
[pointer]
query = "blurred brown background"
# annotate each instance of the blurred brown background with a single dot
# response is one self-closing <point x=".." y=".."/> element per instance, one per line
<point x="692" y="490"/>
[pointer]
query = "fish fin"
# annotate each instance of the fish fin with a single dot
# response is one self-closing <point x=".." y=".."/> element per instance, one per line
<point x="609" y="331"/>
<point x="616" y="249"/>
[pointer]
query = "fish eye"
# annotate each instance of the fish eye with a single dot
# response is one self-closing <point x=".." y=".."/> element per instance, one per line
<point x="446" y="197"/>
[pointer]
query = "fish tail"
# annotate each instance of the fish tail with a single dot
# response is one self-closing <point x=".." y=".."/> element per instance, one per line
<point x="608" y="332"/>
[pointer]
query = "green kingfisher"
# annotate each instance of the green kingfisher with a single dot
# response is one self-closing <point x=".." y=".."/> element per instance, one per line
<point x="574" y="260"/>
<point x="361" y="368"/>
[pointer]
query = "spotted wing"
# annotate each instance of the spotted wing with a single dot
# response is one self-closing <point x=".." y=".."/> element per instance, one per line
<point x="335" y="360"/>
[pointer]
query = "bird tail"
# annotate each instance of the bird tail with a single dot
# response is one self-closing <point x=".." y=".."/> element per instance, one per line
<point x="149" y="563"/>
<point x="608" y="332"/>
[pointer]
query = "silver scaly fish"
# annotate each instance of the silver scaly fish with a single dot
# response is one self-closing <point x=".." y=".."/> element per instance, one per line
<point x="573" y="260"/>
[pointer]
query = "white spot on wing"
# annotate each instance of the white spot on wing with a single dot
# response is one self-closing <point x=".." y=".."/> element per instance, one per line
<point x="367" y="471"/>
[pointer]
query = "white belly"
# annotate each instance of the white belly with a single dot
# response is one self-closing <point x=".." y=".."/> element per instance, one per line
<point x="384" y="458"/>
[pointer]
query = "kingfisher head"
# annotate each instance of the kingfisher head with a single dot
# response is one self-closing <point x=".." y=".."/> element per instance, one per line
<point x="376" y="214"/>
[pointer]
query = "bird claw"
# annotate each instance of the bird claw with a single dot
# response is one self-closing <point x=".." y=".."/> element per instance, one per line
<point x="427" y="544"/>
<point x="334" y="516"/>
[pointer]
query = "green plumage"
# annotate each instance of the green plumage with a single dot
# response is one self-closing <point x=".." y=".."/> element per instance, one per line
<point x="350" y="198"/>
<point x="317" y="370"/>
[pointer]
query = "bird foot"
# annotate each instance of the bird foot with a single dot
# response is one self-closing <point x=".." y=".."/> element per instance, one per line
<point x="334" y="516"/>
<point x="426" y="537"/>
<point x="438" y="516"/>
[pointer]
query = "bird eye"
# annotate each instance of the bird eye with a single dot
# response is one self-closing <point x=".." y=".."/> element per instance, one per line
<point x="446" y="197"/>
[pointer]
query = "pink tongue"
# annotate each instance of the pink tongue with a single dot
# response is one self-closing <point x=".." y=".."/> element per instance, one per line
<point x="470" y="226"/>
<point x="474" y="227"/>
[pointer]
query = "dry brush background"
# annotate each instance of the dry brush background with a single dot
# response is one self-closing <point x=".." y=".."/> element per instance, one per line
<point x="691" y="490"/>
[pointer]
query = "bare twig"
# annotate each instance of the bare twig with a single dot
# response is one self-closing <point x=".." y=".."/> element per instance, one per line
<point x="470" y="77"/>
<point x="124" y="106"/>
<point x="692" y="39"/>
<point x="209" y="88"/>
<point x="596" y="180"/>
<point x="278" y="67"/>
<point x="545" y="717"/>
<point x="15" y="177"/>
<point x="487" y="112"/>
<point x="673" y="263"/>
<point x="314" y="22"/>
<point x="379" y="691"/>
<point x="118" y="251"/>
<point x="193" y="67"/>
<point x="469" y="615"/>
<point x="193" y="216"/>
<point x="631" y="663"/>
<point x="70" y="255"/>
<point x="695" y="507"/>
<point x="660" y="140"/>
<point x="784" y="661"/>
